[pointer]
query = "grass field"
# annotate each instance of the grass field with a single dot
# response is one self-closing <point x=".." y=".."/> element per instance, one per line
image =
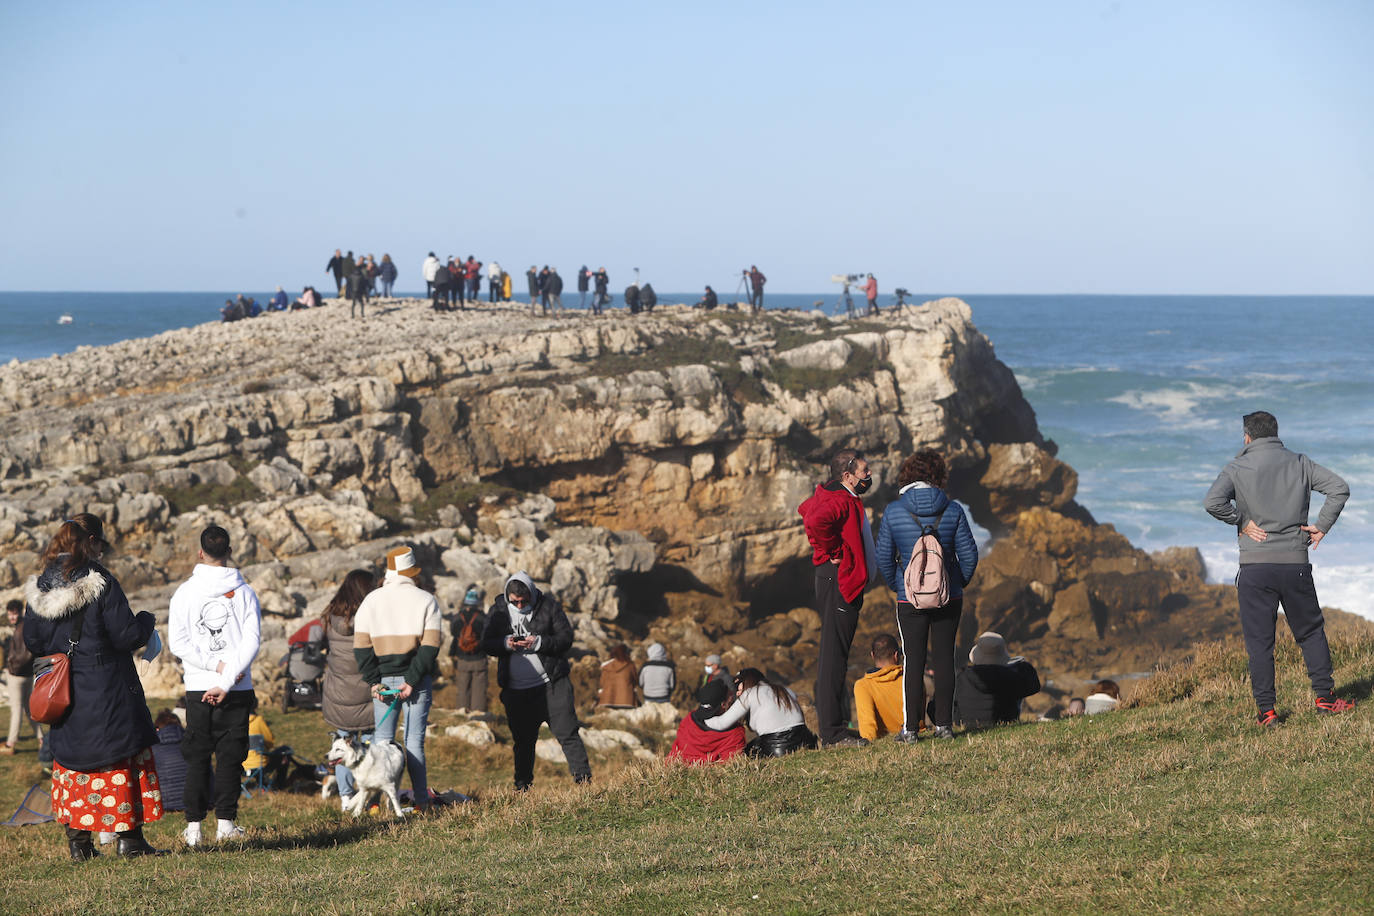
<point x="1178" y="804"/>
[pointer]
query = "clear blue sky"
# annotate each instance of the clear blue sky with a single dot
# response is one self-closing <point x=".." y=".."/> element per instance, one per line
<point x="1130" y="147"/>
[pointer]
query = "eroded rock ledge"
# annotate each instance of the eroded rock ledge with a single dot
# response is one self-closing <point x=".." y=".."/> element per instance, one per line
<point x="649" y="467"/>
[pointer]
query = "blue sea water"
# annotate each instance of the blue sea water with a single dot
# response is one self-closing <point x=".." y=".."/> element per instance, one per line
<point x="1143" y="394"/>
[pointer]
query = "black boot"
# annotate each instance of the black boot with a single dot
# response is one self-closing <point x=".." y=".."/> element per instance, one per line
<point x="79" y="843"/>
<point x="133" y="844"/>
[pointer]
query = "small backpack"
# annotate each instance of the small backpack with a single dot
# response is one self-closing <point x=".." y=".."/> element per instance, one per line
<point x="469" y="640"/>
<point x="926" y="580"/>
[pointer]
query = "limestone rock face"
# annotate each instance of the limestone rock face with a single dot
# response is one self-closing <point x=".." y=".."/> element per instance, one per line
<point x="645" y="469"/>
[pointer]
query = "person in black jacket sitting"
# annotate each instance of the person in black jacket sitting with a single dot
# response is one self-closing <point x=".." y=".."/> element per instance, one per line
<point x="632" y="298"/>
<point x="530" y="636"/>
<point x="991" y="688"/>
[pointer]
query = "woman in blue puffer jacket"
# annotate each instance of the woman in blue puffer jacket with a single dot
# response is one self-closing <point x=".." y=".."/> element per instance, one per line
<point x="922" y="502"/>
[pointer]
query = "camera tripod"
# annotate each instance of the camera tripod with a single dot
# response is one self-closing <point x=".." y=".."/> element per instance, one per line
<point x="845" y="299"/>
<point x="744" y="289"/>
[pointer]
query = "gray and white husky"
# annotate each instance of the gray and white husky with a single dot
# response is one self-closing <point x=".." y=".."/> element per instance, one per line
<point x="376" y="768"/>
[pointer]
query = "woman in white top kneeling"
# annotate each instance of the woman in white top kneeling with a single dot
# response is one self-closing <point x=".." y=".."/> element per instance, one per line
<point x="773" y="712"/>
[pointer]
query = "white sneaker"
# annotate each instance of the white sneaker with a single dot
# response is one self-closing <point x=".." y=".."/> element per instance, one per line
<point x="228" y="830"/>
<point x="191" y="835"/>
<point x="106" y="838"/>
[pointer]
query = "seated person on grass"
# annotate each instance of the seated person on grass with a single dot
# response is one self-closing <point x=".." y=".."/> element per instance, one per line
<point x="991" y="688"/>
<point x="878" y="695"/>
<point x="698" y="743"/>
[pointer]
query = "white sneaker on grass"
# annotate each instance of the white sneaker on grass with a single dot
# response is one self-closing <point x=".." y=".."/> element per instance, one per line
<point x="191" y="835"/>
<point x="228" y="830"/>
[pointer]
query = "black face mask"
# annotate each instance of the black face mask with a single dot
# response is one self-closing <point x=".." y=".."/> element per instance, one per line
<point x="862" y="486"/>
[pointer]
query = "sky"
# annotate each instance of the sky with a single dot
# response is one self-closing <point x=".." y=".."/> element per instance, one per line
<point x="1083" y="146"/>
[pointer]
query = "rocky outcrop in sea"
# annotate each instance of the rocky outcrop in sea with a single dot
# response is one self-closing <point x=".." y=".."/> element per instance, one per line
<point x="646" y="468"/>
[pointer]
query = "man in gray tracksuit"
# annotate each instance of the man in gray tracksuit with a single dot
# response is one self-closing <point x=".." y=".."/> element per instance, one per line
<point x="1265" y="492"/>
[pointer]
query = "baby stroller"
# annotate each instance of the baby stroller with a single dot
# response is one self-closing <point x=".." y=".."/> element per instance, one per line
<point x="304" y="662"/>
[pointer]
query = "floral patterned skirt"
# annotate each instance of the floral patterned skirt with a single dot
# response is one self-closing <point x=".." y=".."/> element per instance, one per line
<point x="113" y="800"/>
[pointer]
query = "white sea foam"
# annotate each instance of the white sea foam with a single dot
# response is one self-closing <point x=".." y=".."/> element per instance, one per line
<point x="1348" y="586"/>
<point x="1177" y="405"/>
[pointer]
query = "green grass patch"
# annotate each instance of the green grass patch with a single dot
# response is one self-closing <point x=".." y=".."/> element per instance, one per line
<point x="1172" y="805"/>
<point x="217" y="496"/>
<point x="462" y="494"/>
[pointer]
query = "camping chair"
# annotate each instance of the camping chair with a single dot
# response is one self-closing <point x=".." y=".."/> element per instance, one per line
<point x="257" y="776"/>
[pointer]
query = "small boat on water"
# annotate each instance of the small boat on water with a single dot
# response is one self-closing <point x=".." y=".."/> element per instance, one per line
<point x="64" y="319"/>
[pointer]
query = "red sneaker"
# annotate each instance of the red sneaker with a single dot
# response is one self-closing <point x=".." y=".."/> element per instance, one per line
<point x="1267" y="718"/>
<point x="1329" y="705"/>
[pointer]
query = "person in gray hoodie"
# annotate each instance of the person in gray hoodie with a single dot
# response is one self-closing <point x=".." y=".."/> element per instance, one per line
<point x="1265" y="493"/>
<point x="658" y="677"/>
<point x="214" y="625"/>
<point x="530" y="636"/>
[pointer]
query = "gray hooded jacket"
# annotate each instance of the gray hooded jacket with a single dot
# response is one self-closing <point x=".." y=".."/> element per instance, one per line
<point x="1272" y="486"/>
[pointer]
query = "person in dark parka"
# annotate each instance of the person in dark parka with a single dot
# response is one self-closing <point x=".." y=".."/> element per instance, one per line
<point x="171" y="763"/>
<point x="106" y="734"/>
<point x="990" y="690"/>
<point x="530" y="636"/>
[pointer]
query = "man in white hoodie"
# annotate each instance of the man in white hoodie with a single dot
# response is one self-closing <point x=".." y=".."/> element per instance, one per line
<point x="214" y="626"/>
<point x="431" y="270"/>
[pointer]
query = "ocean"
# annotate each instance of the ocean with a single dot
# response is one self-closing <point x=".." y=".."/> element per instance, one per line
<point x="1143" y="394"/>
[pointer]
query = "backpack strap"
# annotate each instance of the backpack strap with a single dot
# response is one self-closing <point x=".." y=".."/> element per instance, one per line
<point x="938" y="519"/>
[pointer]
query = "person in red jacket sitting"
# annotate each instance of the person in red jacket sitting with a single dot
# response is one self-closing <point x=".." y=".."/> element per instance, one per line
<point x="845" y="559"/>
<point x="695" y="743"/>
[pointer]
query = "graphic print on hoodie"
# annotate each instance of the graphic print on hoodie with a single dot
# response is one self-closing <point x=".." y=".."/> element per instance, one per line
<point x="214" y="617"/>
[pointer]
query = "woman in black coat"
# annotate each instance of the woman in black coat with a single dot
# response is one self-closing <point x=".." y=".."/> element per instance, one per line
<point x="104" y="777"/>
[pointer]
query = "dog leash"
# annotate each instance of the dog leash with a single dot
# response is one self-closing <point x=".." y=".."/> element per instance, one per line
<point x="394" y="691"/>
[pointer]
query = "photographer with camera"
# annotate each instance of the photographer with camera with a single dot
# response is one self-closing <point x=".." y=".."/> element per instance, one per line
<point x="871" y="294"/>
<point x="756" y="281"/>
<point x="530" y="636"/>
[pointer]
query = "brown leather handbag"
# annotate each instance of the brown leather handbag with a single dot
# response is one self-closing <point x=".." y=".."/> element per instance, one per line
<point x="51" y="696"/>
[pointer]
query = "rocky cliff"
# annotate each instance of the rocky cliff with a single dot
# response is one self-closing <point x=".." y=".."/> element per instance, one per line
<point x="647" y="467"/>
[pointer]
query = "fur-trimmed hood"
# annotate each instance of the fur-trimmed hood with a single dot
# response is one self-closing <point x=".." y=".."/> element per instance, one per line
<point x="53" y="596"/>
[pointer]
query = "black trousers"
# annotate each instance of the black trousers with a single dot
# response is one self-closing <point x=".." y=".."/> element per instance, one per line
<point x="1261" y="588"/>
<point x="936" y="628"/>
<point x="526" y="710"/>
<point x="839" y="620"/>
<point x="221" y="731"/>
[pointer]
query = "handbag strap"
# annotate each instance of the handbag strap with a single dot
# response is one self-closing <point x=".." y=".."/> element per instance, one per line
<point x="75" y="637"/>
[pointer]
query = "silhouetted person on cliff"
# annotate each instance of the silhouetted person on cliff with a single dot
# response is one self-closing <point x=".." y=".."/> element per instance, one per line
<point x="756" y="281"/>
<point x="1265" y="493"/>
<point x="339" y="266"/>
<point x="842" y="551"/>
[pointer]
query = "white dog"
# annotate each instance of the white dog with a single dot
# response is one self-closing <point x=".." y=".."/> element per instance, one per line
<point x="376" y="768"/>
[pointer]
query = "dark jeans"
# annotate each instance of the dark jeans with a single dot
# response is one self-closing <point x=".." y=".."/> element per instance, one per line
<point x="839" y="620"/>
<point x="938" y="628"/>
<point x="526" y="710"/>
<point x="221" y="731"/>
<point x="1261" y="588"/>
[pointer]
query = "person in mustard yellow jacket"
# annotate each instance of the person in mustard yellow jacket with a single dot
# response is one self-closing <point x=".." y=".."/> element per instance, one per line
<point x="878" y="694"/>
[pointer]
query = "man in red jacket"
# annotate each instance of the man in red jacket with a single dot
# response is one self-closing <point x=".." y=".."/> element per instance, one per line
<point x="845" y="559"/>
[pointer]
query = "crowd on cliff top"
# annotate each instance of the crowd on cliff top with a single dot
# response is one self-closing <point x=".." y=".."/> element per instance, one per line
<point x="453" y="282"/>
<point x="382" y="640"/>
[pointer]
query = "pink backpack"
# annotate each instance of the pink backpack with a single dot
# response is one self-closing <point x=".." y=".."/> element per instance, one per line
<point x="926" y="581"/>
